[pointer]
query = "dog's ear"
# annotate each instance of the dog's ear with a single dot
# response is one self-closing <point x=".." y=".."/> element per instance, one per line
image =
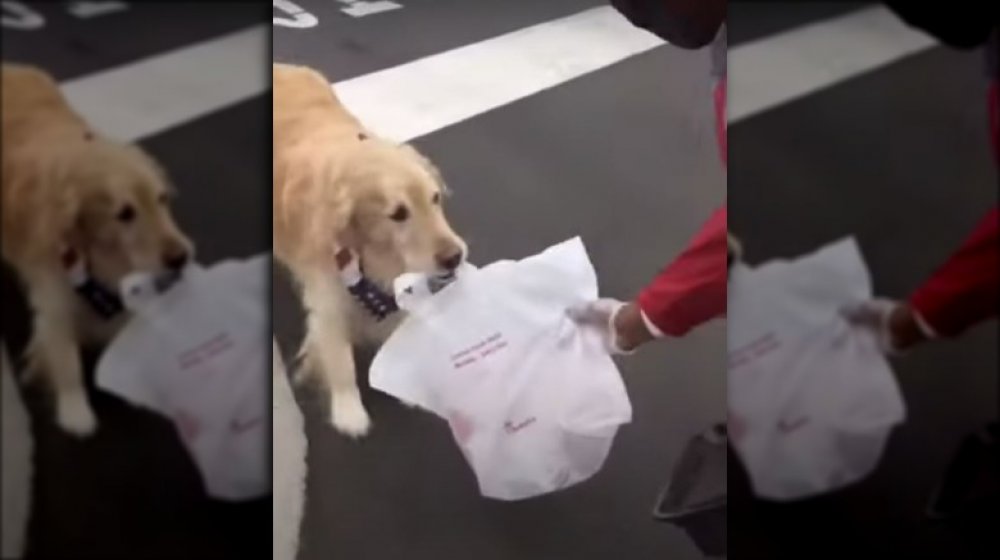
<point x="80" y="214"/>
<point x="432" y="169"/>
<point x="41" y="216"/>
<point x="317" y="204"/>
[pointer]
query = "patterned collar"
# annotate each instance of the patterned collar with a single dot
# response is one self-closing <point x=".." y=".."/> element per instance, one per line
<point x="373" y="298"/>
<point x="103" y="301"/>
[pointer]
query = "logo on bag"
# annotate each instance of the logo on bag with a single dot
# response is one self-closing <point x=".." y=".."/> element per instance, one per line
<point x="787" y="427"/>
<point x="205" y="351"/>
<point x="240" y="426"/>
<point x="490" y="345"/>
<point x="761" y="346"/>
<point x="188" y="425"/>
<point x="512" y="428"/>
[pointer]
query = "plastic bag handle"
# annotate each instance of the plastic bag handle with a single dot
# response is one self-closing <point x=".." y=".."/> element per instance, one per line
<point x="413" y="288"/>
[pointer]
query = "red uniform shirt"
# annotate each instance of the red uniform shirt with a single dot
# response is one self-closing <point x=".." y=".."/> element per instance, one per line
<point x="691" y="290"/>
<point x="964" y="290"/>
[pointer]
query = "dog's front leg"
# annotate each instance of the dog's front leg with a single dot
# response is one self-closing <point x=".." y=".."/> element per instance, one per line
<point x="330" y="354"/>
<point x="55" y="354"/>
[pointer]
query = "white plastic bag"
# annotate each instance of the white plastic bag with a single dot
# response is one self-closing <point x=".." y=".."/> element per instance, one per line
<point x="811" y="398"/>
<point x="533" y="400"/>
<point x="198" y="354"/>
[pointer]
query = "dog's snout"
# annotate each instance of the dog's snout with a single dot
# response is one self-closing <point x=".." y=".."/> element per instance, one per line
<point x="176" y="260"/>
<point x="450" y="261"/>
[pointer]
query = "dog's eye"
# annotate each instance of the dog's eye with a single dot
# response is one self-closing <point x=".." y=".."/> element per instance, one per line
<point x="126" y="214"/>
<point x="436" y="199"/>
<point x="400" y="214"/>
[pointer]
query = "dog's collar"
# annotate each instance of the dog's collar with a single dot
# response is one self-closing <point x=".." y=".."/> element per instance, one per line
<point x="106" y="303"/>
<point x="374" y="299"/>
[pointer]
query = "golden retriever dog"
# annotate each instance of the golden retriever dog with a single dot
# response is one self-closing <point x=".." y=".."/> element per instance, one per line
<point x="339" y="188"/>
<point x="71" y="195"/>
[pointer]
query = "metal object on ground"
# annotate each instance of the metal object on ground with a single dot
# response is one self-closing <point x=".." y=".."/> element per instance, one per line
<point x="695" y="497"/>
<point x="971" y="475"/>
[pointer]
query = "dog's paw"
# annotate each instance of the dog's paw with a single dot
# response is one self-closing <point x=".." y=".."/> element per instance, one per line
<point x="349" y="416"/>
<point x="74" y="415"/>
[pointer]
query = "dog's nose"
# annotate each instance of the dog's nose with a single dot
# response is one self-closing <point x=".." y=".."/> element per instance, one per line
<point x="176" y="261"/>
<point x="450" y="262"/>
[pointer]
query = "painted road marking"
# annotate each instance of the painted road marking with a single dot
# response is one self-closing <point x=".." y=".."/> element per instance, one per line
<point x="787" y="66"/>
<point x="154" y="94"/>
<point x="21" y="17"/>
<point x="431" y="93"/>
<point x="128" y="102"/>
<point x="86" y="10"/>
<point x="456" y="85"/>
<point x="298" y="17"/>
<point x="362" y="8"/>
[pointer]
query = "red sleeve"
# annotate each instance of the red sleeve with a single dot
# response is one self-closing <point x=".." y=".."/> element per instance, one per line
<point x="691" y="290"/>
<point x="963" y="291"/>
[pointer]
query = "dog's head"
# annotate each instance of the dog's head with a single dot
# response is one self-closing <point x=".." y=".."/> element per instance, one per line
<point x="384" y="202"/>
<point x="117" y="214"/>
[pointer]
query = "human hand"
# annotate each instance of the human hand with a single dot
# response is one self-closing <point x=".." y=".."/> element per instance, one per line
<point x="896" y="326"/>
<point x="620" y="324"/>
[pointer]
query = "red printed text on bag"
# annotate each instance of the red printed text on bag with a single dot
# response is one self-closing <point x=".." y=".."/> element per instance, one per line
<point x="205" y="351"/>
<point x="749" y="352"/>
<point x="482" y="349"/>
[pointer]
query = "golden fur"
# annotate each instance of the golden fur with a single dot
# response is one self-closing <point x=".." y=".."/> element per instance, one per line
<point x="337" y="186"/>
<point x="66" y="188"/>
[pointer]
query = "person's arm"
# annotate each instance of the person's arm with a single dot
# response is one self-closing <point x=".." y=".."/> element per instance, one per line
<point x="963" y="291"/>
<point x="958" y="295"/>
<point x="690" y="291"/>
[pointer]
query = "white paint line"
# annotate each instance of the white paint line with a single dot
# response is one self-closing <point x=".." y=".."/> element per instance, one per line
<point x="781" y="68"/>
<point x="299" y="18"/>
<point x="431" y="93"/>
<point x="360" y="8"/>
<point x="154" y="94"/>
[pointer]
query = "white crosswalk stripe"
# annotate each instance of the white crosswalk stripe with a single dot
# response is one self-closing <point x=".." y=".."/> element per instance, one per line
<point x="781" y="68"/>
<point x="127" y="102"/>
<point x="459" y="84"/>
